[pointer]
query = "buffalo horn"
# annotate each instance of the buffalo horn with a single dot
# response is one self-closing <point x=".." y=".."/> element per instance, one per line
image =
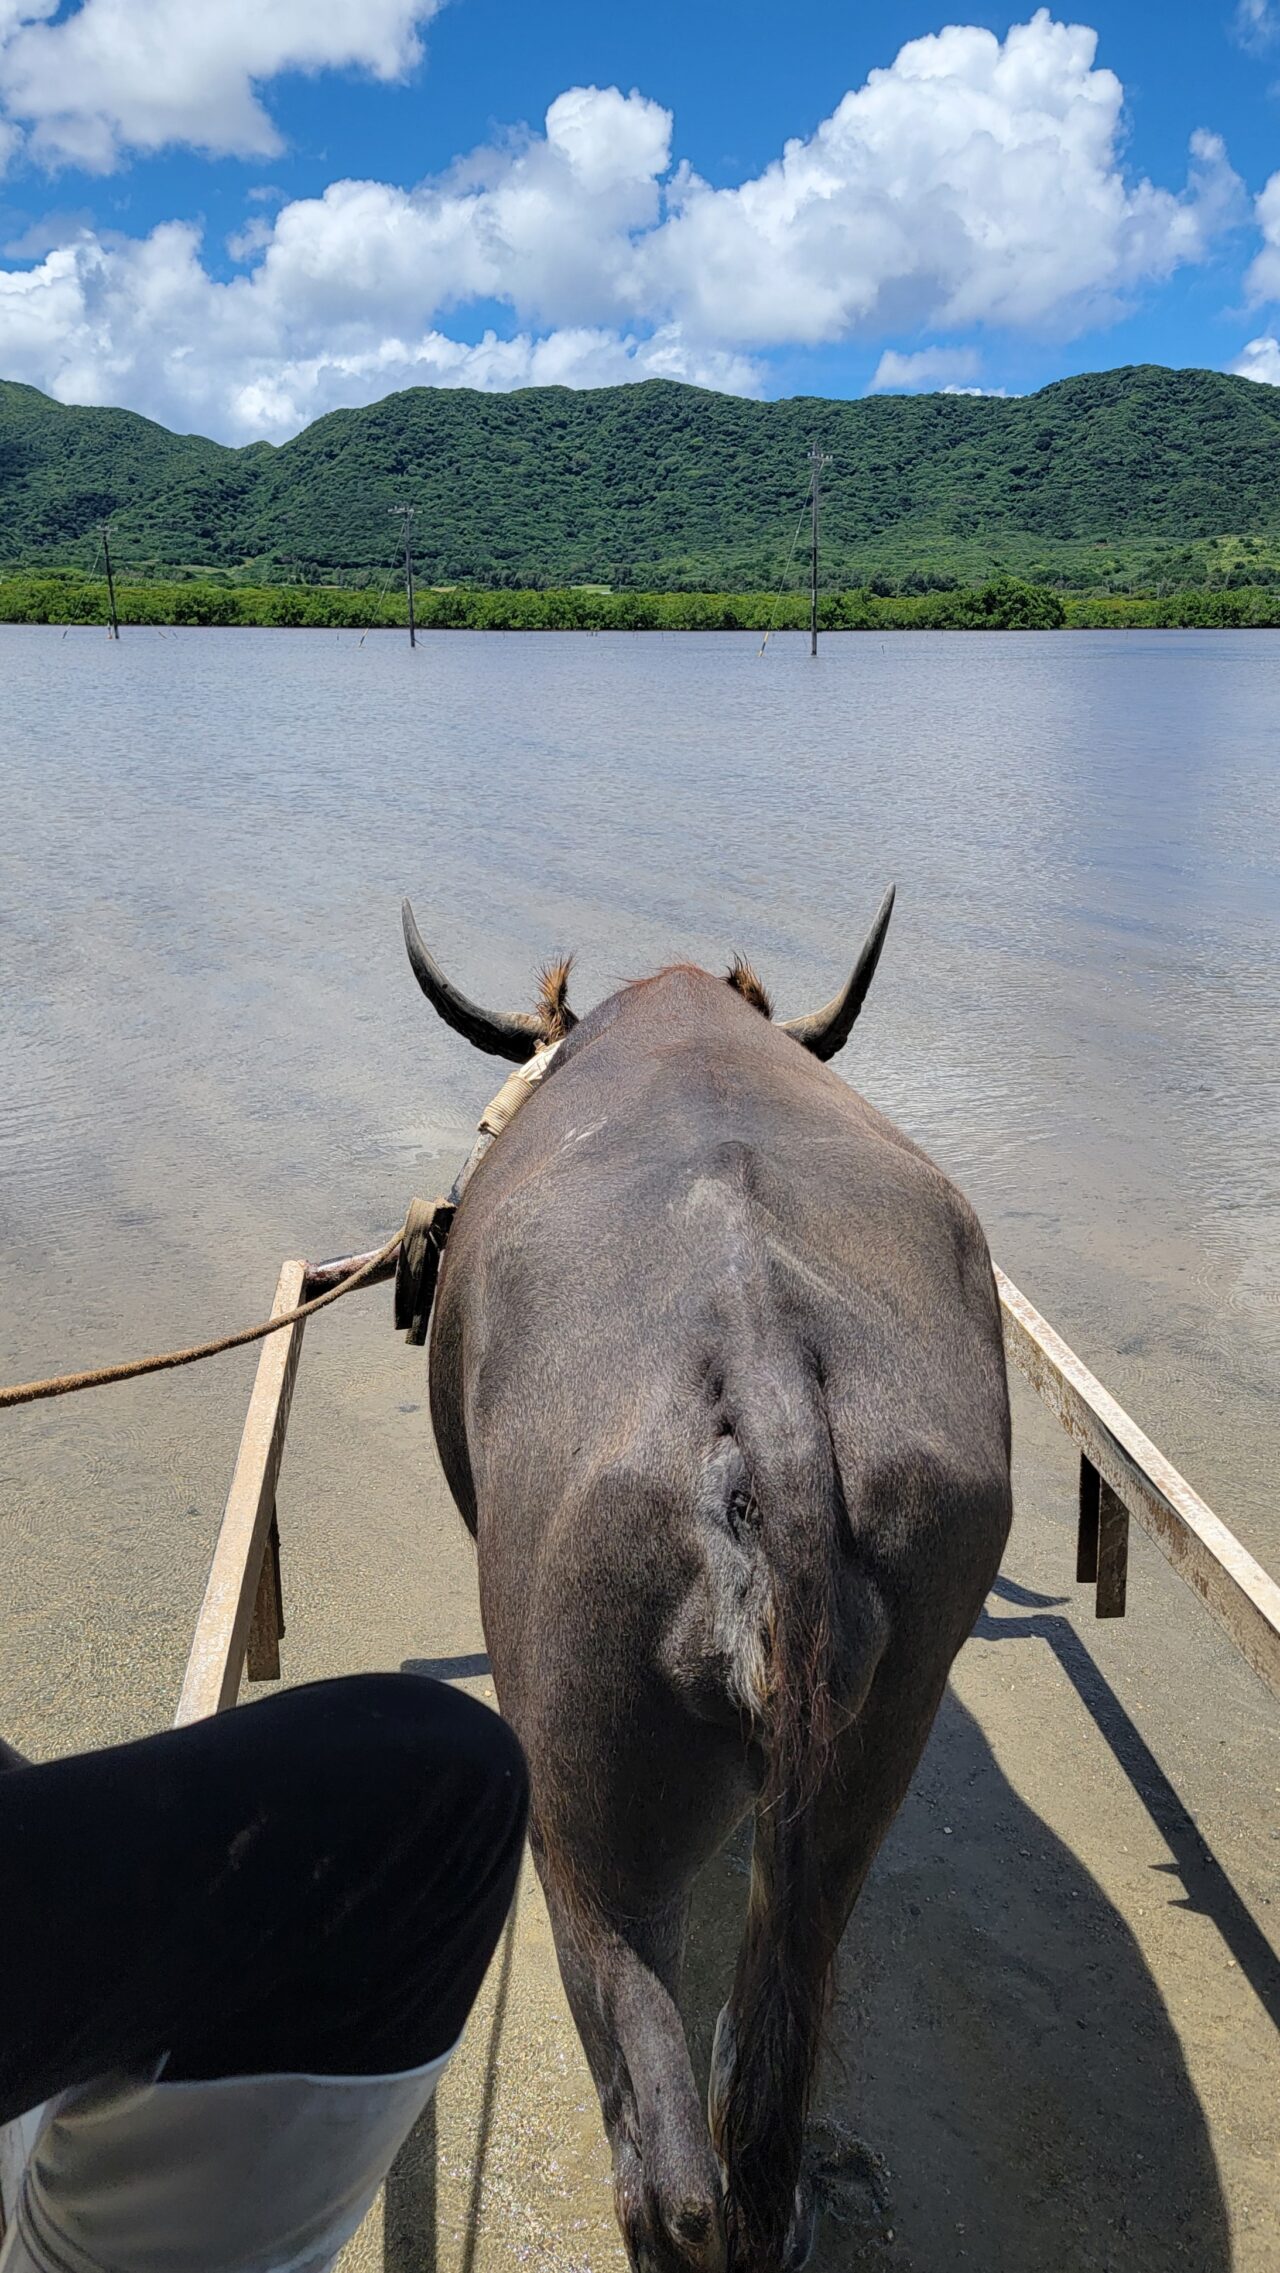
<point x="826" y="1031"/>
<point x="504" y="1034"/>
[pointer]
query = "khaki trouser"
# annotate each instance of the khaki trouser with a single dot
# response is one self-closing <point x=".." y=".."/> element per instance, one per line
<point x="257" y="2174"/>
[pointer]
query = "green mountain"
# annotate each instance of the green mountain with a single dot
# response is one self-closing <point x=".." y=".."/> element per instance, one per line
<point x="1142" y="473"/>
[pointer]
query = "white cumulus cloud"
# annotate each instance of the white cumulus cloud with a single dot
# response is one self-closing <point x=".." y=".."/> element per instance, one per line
<point x="1260" y="360"/>
<point x="139" y="74"/>
<point x="547" y="223"/>
<point x="975" y="182"/>
<point x="141" y="322"/>
<point x="930" y="368"/>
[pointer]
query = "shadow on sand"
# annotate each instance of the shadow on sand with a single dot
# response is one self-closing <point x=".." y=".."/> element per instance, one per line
<point x="409" y="2217"/>
<point x="1206" y="1887"/>
<point x="449" y="1668"/>
<point x="997" y="2037"/>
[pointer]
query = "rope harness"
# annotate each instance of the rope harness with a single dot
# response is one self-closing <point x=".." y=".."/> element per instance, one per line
<point x="417" y="1246"/>
<point x="428" y="1223"/>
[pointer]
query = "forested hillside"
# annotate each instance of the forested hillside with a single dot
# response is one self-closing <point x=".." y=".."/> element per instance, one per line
<point x="1142" y="474"/>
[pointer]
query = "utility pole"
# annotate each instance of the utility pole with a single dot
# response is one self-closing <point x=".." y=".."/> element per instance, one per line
<point x="406" y="513"/>
<point x="111" y="582"/>
<point x="817" y="460"/>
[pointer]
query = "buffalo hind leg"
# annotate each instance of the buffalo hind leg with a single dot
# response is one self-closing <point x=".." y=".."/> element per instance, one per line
<point x="620" y="1977"/>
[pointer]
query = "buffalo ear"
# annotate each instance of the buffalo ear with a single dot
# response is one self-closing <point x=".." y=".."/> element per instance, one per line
<point x="743" y="980"/>
<point x="504" y="1034"/>
<point x="556" y="1019"/>
<point x="827" y="1030"/>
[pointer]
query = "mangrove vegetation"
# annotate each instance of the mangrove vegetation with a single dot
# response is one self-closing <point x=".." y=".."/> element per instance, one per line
<point x="1004" y="604"/>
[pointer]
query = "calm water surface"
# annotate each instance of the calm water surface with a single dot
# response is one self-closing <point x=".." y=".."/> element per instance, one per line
<point x="214" y="1053"/>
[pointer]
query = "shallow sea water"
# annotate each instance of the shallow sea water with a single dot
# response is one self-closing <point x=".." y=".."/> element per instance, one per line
<point x="214" y="1053"/>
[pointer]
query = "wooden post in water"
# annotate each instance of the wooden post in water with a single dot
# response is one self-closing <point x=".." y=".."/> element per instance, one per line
<point x="111" y="582"/>
<point x="406" y="513"/>
<point x="817" y="460"/>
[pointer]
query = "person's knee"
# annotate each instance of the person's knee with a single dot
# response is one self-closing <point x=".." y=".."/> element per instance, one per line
<point x="484" y="1760"/>
<point x="421" y="1750"/>
<point x="427" y="1720"/>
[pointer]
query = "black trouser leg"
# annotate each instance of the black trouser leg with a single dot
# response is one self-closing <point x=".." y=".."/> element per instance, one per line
<point x="315" y="1884"/>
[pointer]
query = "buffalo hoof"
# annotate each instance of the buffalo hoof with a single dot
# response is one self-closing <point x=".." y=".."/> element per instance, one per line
<point x="846" y="2179"/>
<point x="675" y="2236"/>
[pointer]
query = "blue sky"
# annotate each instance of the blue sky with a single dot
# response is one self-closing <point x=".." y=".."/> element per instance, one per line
<point x="237" y="214"/>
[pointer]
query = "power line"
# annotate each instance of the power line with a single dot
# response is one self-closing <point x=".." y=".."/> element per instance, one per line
<point x="786" y="575"/>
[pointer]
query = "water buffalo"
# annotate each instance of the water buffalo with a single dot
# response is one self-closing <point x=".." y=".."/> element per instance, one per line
<point x="718" y="1383"/>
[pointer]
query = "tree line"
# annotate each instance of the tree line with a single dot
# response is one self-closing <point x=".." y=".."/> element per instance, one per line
<point x="1006" y="603"/>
